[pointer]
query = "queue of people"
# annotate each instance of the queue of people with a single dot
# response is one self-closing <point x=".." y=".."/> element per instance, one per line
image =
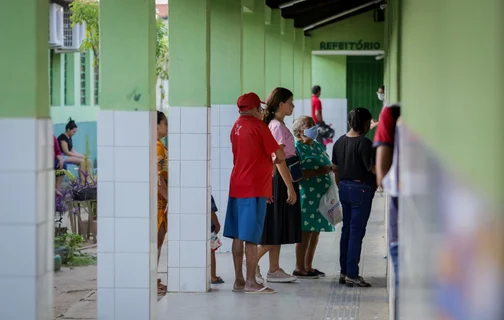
<point x="277" y="182"/>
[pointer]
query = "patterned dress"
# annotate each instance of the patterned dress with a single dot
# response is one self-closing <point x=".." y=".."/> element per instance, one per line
<point x="311" y="190"/>
<point x="162" y="161"/>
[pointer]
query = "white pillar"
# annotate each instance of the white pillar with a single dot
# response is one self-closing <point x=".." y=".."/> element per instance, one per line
<point x="127" y="168"/>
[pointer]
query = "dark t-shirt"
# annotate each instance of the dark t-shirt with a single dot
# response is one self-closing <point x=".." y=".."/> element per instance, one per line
<point x="355" y="158"/>
<point x="68" y="140"/>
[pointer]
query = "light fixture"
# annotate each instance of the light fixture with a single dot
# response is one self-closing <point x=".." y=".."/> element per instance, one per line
<point x="290" y="3"/>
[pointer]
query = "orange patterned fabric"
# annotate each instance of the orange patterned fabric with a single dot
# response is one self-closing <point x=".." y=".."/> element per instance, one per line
<point x="162" y="164"/>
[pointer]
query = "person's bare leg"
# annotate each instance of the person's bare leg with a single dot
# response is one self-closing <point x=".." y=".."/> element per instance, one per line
<point x="251" y="283"/>
<point x="59" y="181"/>
<point x="213" y="266"/>
<point x="310" y="251"/>
<point x="274" y="258"/>
<point x="238" y="264"/>
<point x="301" y="253"/>
<point x="261" y="251"/>
<point x="160" y="240"/>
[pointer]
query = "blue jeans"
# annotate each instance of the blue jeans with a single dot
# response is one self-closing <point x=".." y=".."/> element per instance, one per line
<point x="394" y="255"/>
<point x="356" y="201"/>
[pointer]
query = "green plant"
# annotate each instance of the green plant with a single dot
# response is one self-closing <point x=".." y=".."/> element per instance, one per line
<point x="69" y="245"/>
<point x="162" y="56"/>
<point x="87" y="11"/>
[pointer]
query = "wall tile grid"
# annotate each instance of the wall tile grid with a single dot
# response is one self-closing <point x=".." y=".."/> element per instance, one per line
<point x="26" y="219"/>
<point x="189" y="153"/>
<point x="127" y="214"/>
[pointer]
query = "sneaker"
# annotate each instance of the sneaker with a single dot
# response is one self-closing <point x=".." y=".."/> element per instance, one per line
<point x="259" y="277"/>
<point x="342" y="278"/>
<point x="320" y="273"/>
<point x="308" y="275"/>
<point x="359" y="281"/>
<point x="280" y="276"/>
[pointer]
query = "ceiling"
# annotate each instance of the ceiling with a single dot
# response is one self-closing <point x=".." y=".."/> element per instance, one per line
<point x="314" y="14"/>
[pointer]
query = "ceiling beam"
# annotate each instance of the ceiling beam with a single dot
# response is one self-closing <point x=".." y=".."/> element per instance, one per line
<point x="341" y="15"/>
<point x="289" y="4"/>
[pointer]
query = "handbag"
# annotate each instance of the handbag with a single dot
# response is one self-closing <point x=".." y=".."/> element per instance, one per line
<point x="330" y="205"/>
<point x="295" y="168"/>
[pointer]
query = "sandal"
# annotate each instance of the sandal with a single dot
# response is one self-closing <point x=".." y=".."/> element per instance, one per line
<point x="261" y="291"/>
<point x="219" y="280"/>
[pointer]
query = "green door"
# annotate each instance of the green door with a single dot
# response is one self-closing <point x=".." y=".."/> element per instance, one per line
<point x="364" y="76"/>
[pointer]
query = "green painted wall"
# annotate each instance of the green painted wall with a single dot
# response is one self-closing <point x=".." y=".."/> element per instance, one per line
<point x="128" y="26"/>
<point x="225" y="48"/>
<point x="24" y="77"/>
<point x="361" y="27"/>
<point x="253" y="49"/>
<point x="56" y="79"/>
<point x="307" y="67"/>
<point x="329" y="72"/>
<point x="451" y="85"/>
<point x="287" y="55"/>
<point x="298" y="63"/>
<point x="69" y="80"/>
<point x="189" y="77"/>
<point x="272" y="53"/>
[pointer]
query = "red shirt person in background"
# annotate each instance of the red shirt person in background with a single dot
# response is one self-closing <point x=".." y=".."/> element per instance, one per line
<point x="250" y="187"/>
<point x="316" y="105"/>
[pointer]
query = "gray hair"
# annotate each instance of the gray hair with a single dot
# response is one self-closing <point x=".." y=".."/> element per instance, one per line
<point x="299" y="124"/>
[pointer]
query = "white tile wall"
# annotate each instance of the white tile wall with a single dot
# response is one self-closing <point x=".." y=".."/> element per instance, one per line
<point x="223" y="118"/>
<point x="26" y="193"/>
<point x="335" y="114"/>
<point x="189" y="152"/>
<point x="127" y="214"/>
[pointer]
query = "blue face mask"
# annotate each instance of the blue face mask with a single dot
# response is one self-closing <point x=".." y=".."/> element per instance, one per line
<point x="312" y="132"/>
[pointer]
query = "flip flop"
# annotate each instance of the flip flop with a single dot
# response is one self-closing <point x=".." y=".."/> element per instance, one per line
<point x="218" y="281"/>
<point x="261" y="291"/>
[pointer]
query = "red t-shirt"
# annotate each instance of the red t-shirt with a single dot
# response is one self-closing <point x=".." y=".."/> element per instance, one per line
<point x="316" y="105"/>
<point x="253" y="145"/>
<point x="386" y="127"/>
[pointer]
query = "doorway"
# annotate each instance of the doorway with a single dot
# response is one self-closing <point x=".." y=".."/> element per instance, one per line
<point x="364" y="76"/>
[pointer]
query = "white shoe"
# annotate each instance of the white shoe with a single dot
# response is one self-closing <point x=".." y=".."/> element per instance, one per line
<point x="280" y="276"/>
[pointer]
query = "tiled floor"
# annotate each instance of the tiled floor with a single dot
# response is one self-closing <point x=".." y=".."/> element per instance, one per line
<point x="322" y="299"/>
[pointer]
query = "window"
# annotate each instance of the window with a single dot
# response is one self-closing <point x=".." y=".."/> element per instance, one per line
<point x="51" y="66"/>
<point x="83" y="69"/>
<point x="65" y="79"/>
<point x="96" y="84"/>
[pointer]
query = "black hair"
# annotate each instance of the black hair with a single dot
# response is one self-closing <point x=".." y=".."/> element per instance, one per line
<point x="276" y="96"/>
<point x="359" y="120"/>
<point x="382" y="87"/>
<point x="70" y="125"/>
<point x="160" y="117"/>
<point x="315" y="89"/>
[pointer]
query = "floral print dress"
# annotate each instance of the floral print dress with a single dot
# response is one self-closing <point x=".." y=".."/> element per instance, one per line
<point x="313" y="157"/>
<point x="162" y="164"/>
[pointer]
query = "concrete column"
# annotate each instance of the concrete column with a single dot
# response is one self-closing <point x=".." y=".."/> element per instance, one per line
<point x="273" y="45"/>
<point x="26" y="164"/>
<point x="253" y="54"/>
<point x="287" y="60"/>
<point x="189" y="145"/>
<point x="226" y="86"/>
<point x="127" y="178"/>
<point x="307" y="75"/>
<point x="298" y="72"/>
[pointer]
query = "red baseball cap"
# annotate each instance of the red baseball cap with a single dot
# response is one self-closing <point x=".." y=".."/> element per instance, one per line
<point x="248" y="101"/>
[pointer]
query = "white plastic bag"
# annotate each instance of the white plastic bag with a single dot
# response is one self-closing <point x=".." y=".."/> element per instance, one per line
<point x="330" y="206"/>
<point x="215" y="242"/>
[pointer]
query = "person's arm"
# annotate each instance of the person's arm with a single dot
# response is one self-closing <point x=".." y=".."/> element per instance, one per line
<point x="384" y="156"/>
<point x="64" y="148"/>
<point x="374" y="124"/>
<point x="336" y="173"/>
<point x="61" y="163"/>
<point x="279" y="155"/>
<point x="286" y="176"/>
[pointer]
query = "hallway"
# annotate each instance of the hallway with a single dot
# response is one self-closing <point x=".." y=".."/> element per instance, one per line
<point x="321" y="299"/>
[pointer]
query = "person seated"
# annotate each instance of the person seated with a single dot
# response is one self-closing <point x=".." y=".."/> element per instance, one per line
<point x="69" y="153"/>
<point x="59" y="165"/>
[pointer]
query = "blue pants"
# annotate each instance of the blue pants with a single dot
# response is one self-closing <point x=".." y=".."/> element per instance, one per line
<point x="356" y="200"/>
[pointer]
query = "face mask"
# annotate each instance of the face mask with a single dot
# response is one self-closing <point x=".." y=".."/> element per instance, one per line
<point x="381" y="96"/>
<point x="312" y="132"/>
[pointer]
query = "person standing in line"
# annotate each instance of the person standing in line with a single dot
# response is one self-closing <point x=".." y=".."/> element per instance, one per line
<point x="316" y="181"/>
<point x="215" y="229"/>
<point x="283" y="216"/>
<point x="316" y="109"/>
<point x="386" y="142"/>
<point x="353" y="159"/>
<point x="249" y="190"/>
<point x="162" y="196"/>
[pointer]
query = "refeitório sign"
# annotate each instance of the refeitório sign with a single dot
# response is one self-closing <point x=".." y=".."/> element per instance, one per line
<point x="350" y="45"/>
